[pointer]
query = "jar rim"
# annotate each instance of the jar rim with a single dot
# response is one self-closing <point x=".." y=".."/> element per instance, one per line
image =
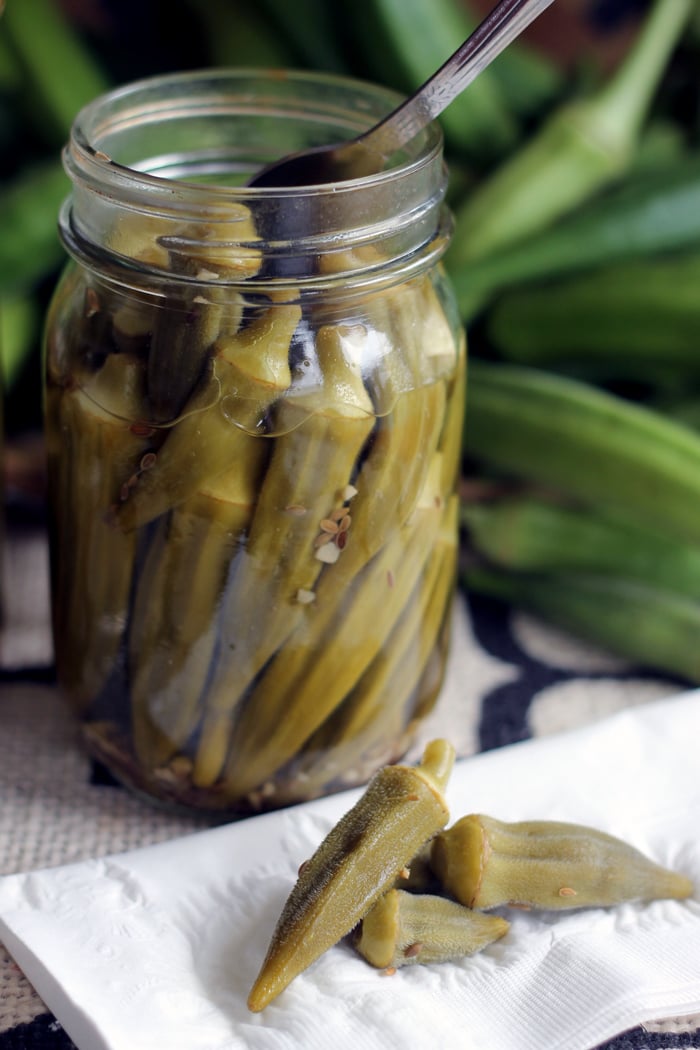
<point x="179" y="148"/>
<point x="95" y="124"/>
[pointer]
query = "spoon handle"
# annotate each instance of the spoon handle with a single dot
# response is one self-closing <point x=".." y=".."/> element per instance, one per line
<point x="507" y="21"/>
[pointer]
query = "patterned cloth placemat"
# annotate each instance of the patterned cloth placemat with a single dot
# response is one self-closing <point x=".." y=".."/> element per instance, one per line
<point x="57" y="807"/>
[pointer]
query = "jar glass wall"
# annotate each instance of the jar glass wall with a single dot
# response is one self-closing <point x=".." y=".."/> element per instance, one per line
<point x="254" y="411"/>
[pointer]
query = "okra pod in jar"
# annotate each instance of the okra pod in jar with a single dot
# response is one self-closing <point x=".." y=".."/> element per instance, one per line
<point x="254" y="405"/>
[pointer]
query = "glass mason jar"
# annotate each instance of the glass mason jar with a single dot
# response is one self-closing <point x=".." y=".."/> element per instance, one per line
<point x="254" y="406"/>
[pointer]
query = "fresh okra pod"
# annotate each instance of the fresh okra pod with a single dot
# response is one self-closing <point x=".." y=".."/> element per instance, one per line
<point x="485" y="863"/>
<point x="403" y="928"/>
<point x="356" y="863"/>
<point x="625" y="319"/>
<point x="582" y="147"/>
<point x="587" y="444"/>
<point x="650" y="626"/>
<point x="524" y="533"/>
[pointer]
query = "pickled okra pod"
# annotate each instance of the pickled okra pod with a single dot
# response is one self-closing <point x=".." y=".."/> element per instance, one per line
<point x="385" y="701"/>
<point x="172" y="627"/>
<point x="92" y="567"/>
<point x="357" y="862"/>
<point x="359" y="598"/>
<point x="321" y="434"/>
<point x="403" y="929"/>
<point x="247" y="373"/>
<point x="271" y="730"/>
<point x="485" y="863"/>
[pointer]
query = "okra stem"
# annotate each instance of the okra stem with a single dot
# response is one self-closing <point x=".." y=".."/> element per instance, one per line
<point x="582" y="147"/>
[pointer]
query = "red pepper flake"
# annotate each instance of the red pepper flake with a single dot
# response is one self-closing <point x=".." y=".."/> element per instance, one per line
<point x="413" y="950"/>
<point x="340" y="540"/>
<point x="92" y="303"/>
<point x="390" y="578"/>
<point x="141" y="429"/>
<point x="148" y="461"/>
<point x="390" y="971"/>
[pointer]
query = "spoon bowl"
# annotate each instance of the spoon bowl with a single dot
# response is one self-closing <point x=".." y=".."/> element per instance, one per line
<point x="370" y="152"/>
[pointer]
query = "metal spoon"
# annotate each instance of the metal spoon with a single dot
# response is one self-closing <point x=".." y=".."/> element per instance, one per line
<point x="369" y="153"/>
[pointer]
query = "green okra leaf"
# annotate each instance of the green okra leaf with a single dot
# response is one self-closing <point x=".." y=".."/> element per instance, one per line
<point x="583" y="146"/>
<point x="358" y="860"/>
<point x="649" y="626"/>
<point x="585" y="443"/>
<point x="309" y="27"/>
<point x="408" y="928"/>
<point x="530" y="534"/>
<point x="485" y="863"/>
<point x="241" y="35"/>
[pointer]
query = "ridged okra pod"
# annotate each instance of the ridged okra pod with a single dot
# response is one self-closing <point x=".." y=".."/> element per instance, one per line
<point x="92" y="449"/>
<point x="627" y="320"/>
<point x="401" y="808"/>
<point x="351" y="613"/>
<point x="650" y="626"/>
<point x="585" y="443"/>
<point x="583" y="146"/>
<point x="485" y="863"/>
<point x="173" y="620"/>
<point x="525" y="533"/>
<point x="247" y="373"/>
<point x="647" y="214"/>
<point x="378" y="713"/>
<point x="184" y="334"/>
<point x="403" y="929"/>
<point x="312" y="464"/>
<point x="275" y="725"/>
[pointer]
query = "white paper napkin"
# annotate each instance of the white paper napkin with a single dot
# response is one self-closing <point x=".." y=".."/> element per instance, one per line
<point x="157" y="948"/>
